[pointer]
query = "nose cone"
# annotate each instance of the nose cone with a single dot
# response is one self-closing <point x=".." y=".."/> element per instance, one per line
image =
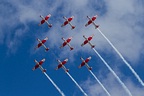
<point x="96" y="16"/>
<point x="92" y="35"/>
<point x="46" y="38"/>
<point x="66" y="60"/>
<point x="49" y="15"/>
<point x="43" y="60"/>
<point x="89" y="58"/>
<point x="72" y="16"/>
<point x="70" y="38"/>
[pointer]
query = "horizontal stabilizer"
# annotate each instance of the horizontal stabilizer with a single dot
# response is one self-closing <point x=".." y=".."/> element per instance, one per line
<point x="90" y="68"/>
<point x="73" y="27"/>
<point x="46" y="49"/>
<point x="49" y="25"/>
<point x="96" y="26"/>
<point x="71" y="48"/>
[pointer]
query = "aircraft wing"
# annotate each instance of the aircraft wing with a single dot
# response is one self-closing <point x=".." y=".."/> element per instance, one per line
<point x="64" y="68"/>
<point x="35" y="67"/>
<point x="59" y="66"/>
<point x="47" y="17"/>
<point x="82" y="64"/>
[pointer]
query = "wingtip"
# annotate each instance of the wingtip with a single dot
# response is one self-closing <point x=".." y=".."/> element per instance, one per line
<point x="97" y="26"/>
<point x="56" y="68"/>
<point x="79" y="66"/>
<point x="50" y="25"/>
<point x="90" y="68"/>
<point x="49" y="15"/>
<point x="33" y="69"/>
<point x="92" y="46"/>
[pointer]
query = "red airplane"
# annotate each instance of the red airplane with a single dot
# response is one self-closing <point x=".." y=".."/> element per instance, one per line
<point x="91" y="21"/>
<point x="67" y="21"/>
<point x="41" y="43"/>
<point x="85" y="62"/>
<point x="87" y="40"/>
<point x="61" y="64"/>
<point x="67" y="42"/>
<point x="38" y="65"/>
<point x="45" y="20"/>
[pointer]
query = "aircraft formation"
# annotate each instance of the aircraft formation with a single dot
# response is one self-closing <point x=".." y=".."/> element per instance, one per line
<point x="61" y="64"/>
<point x="66" y="41"/>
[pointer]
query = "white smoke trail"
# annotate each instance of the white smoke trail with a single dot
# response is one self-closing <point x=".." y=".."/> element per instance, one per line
<point x="123" y="85"/>
<point x="54" y="85"/>
<point x="129" y="66"/>
<point x="77" y="84"/>
<point x="100" y="83"/>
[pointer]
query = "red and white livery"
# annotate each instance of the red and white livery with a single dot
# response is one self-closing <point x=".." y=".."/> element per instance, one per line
<point x="91" y="21"/>
<point x="67" y="42"/>
<point x="87" y="40"/>
<point x="61" y="65"/>
<point x="68" y="21"/>
<point x="45" y="20"/>
<point x="85" y="62"/>
<point x="41" y="43"/>
<point x="39" y="65"/>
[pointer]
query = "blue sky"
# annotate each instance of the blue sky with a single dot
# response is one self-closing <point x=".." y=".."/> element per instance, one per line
<point x="120" y="20"/>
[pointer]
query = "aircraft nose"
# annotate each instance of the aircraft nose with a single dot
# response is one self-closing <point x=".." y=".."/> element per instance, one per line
<point x="66" y="60"/>
<point x="89" y="57"/>
<point x="46" y="38"/>
<point x="43" y="60"/>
